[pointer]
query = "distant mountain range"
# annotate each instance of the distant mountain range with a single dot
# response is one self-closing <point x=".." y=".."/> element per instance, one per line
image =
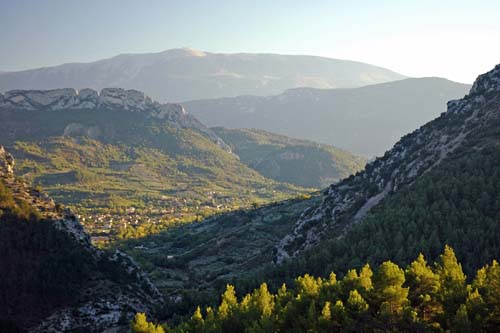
<point x="187" y="74"/>
<point x="366" y="120"/>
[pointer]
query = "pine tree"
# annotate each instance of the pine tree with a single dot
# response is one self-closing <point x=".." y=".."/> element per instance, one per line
<point x="263" y="301"/>
<point x="228" y="303"/>
<point x="452" y="279"/>
<point x="326" y="313"/>
<point x="389" y="293"/>
<point x="424" y="285"/>
<point x="308" y="285"/>
<point x="356" y="303"/>
<point x="325" y="319"/>
<point x="365" y="278"/>
<point x="140" y="324"/>
<point x="461" y="322"/>
<point x="196" y="323"/>
<point x="488" y="283"/>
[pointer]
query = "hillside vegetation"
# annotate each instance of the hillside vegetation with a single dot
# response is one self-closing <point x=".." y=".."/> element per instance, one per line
<point x="438" y="185"/>
<point x="300" y="162"/>
<point x="53" y="279"/>
<point x="130" y="173"/>
<point x="418" y="298"/>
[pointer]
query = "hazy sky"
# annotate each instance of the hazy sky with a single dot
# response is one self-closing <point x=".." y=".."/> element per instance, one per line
<point x="453" y="39"/>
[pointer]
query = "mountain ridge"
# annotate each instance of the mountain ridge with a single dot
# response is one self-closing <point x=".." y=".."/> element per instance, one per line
<point x="181" y="74"/>
<point x="415" y="154"/>
<point x="366" y="120"/>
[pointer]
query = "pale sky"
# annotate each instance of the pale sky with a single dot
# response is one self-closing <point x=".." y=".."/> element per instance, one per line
<point x="453" y="39"/>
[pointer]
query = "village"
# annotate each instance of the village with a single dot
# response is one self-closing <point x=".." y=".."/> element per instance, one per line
<point x="132" y="222"/>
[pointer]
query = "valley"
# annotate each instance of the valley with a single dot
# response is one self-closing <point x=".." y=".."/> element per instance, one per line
<point x="310" y="167"/>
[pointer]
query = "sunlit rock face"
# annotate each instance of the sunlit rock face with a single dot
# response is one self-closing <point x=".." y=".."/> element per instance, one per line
<point x="69" y="98"/>
<point x="111" y="99"/>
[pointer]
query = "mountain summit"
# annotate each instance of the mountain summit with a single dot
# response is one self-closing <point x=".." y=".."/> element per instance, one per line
<point x="187" y="74"/>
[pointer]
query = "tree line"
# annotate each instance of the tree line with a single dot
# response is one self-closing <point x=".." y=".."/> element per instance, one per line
<point x="422" y="297"/>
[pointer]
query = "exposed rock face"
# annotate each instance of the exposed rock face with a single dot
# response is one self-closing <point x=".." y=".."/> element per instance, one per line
<point x="416" y="153"/>
<point x="487" y="83"/>
<point x="106" y="99"/>
<point x="69" y="98"/>
<point x="6" y="161"/>
<point x="109" y="301"/>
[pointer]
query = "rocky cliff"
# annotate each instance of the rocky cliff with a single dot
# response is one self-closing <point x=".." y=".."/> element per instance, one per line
<point x="349" y="201"/>
<point x="109" y="99"/>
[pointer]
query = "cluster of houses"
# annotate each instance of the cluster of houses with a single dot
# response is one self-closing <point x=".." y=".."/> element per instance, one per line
<point x="103" y="226"/>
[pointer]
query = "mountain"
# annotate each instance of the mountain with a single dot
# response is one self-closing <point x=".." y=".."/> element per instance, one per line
<point x="118" y="153"/>
<point x="438" y="185"/>
<point x="186" y="74"/>
<point x="53" y="279"/>
<point x="300" y="162"/>
<point x="366" y="120"/>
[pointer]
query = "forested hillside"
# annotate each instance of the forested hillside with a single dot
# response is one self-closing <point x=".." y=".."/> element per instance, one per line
<point x="53" y="279"/>
<point x="421" y="297"/>
<point x="300" y="162"/>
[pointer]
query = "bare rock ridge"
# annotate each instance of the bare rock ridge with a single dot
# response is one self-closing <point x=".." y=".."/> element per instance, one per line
<point x="350" y="200"/>
<point x="106" y="99"/>
<point x="104" y="308"/>
<point x="69" y="98"/>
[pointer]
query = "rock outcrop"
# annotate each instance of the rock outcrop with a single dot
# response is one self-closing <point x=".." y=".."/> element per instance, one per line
<point x="68" y="98"/>
<point x="106" y="99"/>
<point x="6" y="161"/>
<point x="350" y="200"/>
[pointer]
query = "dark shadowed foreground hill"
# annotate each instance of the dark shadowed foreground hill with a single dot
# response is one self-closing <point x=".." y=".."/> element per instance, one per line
<point x="53" y="279"/>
